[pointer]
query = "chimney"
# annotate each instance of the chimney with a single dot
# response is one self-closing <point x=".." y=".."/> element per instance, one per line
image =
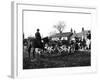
<point x="82" y="29"/>
<point x="71" y="30"/>
<point x="74" y="31"/>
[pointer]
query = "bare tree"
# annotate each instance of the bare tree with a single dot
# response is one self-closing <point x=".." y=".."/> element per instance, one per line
<point x="60" y="27"/>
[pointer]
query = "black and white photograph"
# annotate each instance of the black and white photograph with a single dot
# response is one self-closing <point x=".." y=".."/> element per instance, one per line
<point x="56" y="39"/>
<point x="50" y="40"/>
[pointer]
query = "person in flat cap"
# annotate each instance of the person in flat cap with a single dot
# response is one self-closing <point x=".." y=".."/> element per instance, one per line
<point x="38" y="39"/>
<point x="38" y="35"/>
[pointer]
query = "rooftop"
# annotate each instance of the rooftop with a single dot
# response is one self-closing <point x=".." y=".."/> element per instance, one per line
<point x="67" y="34"/>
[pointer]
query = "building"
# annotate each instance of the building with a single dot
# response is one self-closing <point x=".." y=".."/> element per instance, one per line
<point x="81" y="35"/>
<point x="63" y="36"/>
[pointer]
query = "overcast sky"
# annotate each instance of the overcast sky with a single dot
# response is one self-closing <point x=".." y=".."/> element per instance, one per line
<point x="46" y="20"/>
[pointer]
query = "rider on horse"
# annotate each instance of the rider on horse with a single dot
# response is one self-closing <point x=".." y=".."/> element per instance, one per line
<point x="38" y="39"/>
<point x="37" y="42"/>
<point x="37" y="35"/>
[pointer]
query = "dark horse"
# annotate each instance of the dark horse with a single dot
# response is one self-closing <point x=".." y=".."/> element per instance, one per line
<point x="37" y="44"/>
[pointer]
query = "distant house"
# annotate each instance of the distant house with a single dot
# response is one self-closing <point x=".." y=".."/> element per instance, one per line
<point x="64" y="36"/>
<point x="80" y="35"/>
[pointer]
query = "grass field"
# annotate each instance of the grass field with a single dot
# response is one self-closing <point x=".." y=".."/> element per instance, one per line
<point x="78" y="58"/>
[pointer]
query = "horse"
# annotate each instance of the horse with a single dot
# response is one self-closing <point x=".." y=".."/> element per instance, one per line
<point x="34" y="44"/>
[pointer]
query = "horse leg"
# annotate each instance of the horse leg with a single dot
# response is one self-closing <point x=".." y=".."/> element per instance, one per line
<point x="29" y="53"/>
<point x="29" y="50"/>
<point x="34" y="53"/>
<point x="42" y="46"/>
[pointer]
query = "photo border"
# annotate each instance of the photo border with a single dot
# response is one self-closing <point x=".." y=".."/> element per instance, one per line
<point x="17" y="28"/>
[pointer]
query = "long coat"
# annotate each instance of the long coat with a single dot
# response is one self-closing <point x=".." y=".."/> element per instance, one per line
<point x="37" y="41"/>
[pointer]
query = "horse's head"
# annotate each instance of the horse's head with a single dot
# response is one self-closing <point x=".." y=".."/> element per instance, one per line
<point x="45" y="40"/>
